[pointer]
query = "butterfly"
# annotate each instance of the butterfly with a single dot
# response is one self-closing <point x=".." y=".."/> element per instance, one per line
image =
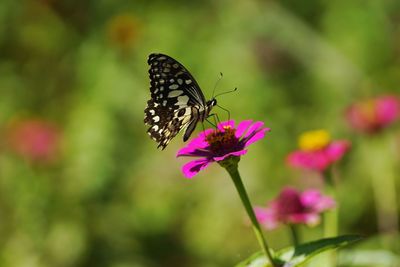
<point x="177" y="102"/>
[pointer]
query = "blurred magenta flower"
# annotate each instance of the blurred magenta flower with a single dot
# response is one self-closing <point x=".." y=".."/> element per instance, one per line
<point x="374" y="114"/>
<point x="35" y="139"/>
<point x="217" y="145"/>
<point x="317" y="151"/>
<point x="294" y="207"/>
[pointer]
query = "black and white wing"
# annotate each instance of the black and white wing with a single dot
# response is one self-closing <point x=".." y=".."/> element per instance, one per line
<point x="174" y="96"/>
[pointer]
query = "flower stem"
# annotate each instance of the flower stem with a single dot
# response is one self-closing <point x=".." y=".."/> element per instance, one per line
<point x="233" y="171"/>
<point x="295" y="234"/>
<point x="383" y="181"/>
<point x="331" y="221"/>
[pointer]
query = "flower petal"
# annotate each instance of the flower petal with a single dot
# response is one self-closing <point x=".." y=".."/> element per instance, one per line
<point x="196" y="146"/>
<point x="256" y="136"/>
<point x="230" y="123"/>
<point x="257" y="125"/>
<point x="266" y="217"/>
<point x="193" y="167"/>
<point x="206" y="132"/>
<point x="194" y="150"/>
<point x="310" y="160"/>
<point x="387" y="109"/>
<point x="310" y="197"/>
<point x="235" y="153"/>
<point x="313" y="200"/>
<point x="311" y="219"/>
<point x="374" y="114"/>
<point x="337" y="149"/>
<point x="242" y="127"/>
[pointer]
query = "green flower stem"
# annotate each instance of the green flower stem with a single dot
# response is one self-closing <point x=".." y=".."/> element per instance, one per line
<point x="331" y="230"/>
<point x="331" y="223"/>
<point x="231" y="166"/>
<point x="383" y="180"/>
<point x="331" y="218"/>
<point x="295" y="234"/>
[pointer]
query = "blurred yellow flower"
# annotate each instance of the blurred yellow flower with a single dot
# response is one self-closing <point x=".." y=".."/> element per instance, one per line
<point x="314" y="140"/>
<point x="123" y="30"/>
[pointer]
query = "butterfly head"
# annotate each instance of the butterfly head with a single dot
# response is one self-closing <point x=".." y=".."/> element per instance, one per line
<point x="212" y="102"/>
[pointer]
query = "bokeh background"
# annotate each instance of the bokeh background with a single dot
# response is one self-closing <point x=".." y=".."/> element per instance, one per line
<point x="81" y="183"/>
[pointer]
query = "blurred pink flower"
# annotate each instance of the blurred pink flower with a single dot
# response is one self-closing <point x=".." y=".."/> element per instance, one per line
<point x="294" y="207"/>
<point x="373" y="115"/>
<point x="317" y="152"/>
<point x="35" y="139"/>
<point x="216" y="145"/>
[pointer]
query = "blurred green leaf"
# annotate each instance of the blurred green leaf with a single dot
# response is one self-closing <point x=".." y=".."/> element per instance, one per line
<point x="296" y="256"/>
<point x="256" y="260"/>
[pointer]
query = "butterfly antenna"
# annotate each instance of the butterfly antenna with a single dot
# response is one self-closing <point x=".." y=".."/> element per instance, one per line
<point x="216" y="83"/>
<point x="223" y="93"/>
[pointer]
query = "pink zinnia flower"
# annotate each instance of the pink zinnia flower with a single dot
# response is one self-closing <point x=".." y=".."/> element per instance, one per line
<point x="217" y="145"/>
<point x="35" y="139"/>
<point x="294" y="207"/>
<point x="317" y="151"/>
<point x="375" y="114"/>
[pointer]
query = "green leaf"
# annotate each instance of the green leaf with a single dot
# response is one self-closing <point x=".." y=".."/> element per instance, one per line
<point x="258" y="259"/>
<point x="296" y="256"/>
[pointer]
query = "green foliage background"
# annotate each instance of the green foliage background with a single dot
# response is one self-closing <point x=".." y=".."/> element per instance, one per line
<point x="111" y="198"/>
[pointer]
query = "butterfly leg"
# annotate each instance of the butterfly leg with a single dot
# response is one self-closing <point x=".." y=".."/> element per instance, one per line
<point x="216" y="117"/>
<point x="216" y="120"/>
<point x="213" y="124"/>
<point x="227" y="111"/>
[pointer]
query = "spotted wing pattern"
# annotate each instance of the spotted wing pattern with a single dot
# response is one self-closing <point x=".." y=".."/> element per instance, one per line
<point x="175" y="95"/>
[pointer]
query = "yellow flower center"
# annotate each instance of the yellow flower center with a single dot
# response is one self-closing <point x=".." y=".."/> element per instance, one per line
<point x="222" y="141"/>
<point x="314" y="140"/>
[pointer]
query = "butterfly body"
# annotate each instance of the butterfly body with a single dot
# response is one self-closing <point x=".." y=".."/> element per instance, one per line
<point x="176" y="103"/>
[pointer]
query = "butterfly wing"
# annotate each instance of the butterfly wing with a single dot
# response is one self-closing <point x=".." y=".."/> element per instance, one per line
<point x="175" y="94"/>
<point x="169" y="76"/>
<point x="164" y="122"/>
